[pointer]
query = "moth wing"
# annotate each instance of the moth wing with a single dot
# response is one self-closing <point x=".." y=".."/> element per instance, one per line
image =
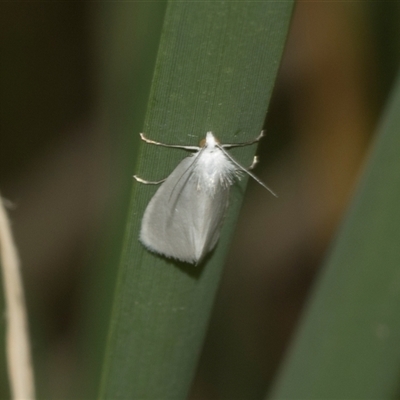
<point x="212" y="211"/>
<point x="181" y="220"/>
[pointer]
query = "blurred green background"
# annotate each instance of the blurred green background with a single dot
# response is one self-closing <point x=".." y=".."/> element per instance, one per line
<point x="68" y="173"/>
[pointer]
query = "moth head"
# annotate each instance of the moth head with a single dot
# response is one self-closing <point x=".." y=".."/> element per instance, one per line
<point x="209" y="141"/>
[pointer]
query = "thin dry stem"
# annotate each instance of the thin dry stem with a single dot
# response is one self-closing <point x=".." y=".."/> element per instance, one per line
<point x="19" y="363"/>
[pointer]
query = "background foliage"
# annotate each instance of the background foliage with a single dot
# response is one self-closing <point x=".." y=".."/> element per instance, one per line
<point x="64" y="165"/>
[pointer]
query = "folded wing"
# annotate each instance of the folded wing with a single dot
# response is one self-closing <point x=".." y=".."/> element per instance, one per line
<point x="182" y="221"/>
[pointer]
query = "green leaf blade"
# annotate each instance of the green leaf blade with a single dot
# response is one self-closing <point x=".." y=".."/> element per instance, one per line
<point x="348" y="346"/>
<point x="215" y="71"/>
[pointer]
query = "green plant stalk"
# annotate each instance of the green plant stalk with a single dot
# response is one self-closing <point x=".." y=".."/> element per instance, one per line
<point x="215" y="70"/>
<point x="126" y="59"/>
<point x="348" y="346"/>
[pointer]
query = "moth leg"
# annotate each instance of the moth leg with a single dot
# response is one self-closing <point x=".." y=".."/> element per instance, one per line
<point x="148" y="182"/>
<point x="257" y="139"/>
<point x="254" y="163"/>
<point x="177" y="146"/>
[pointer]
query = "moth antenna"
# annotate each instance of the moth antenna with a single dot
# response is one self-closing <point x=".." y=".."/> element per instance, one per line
<point x="248" y="172"/>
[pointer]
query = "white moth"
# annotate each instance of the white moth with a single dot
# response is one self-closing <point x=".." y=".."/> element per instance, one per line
<point x="184" y="218"/>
